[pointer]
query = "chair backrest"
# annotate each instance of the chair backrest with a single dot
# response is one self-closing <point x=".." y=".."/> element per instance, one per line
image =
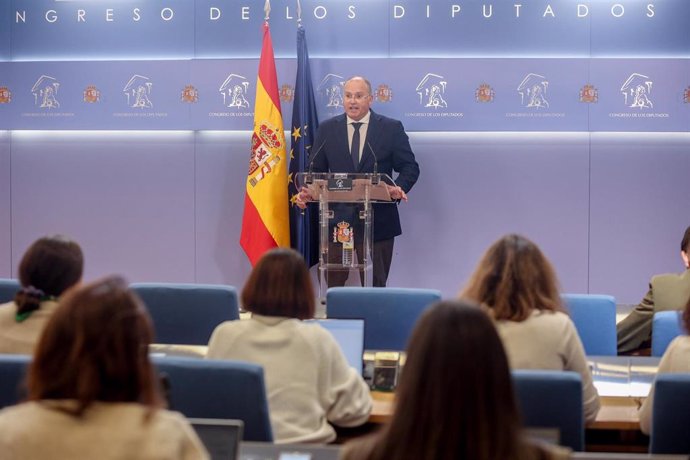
<point x="671" y="415"/>
<point x="594" y="317"/>
<point x="8" y="288"/>
<point x="12" y="374"/>
<point x="205" y="388"/>
<point x="187" y="313"/>
<point x="552" y="399"/>
<point x="389" y="313"/>
<point x="666" y="326"/>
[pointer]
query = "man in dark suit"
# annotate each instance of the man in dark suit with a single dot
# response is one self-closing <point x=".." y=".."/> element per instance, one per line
<point x="362" y="141"/>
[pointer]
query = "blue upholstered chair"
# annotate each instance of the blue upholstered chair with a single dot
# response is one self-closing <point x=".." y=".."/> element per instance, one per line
<point x="187" y="313"/>
<point x="666" y="326"/>
<point x="205" y="388"/>
<point x="671" y="415"/>
<point x="8" y="288"/>
<point x="389" y="313"/>
<point x="12" y="374"/>
<point x="552" y="399"/>
<point x="594" y="317"/>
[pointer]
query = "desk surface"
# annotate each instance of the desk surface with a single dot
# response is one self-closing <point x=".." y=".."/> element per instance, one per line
<point x="622" y="382"/>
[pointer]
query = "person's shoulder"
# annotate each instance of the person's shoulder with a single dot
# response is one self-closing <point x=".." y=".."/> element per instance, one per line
<point x="670" y="277"/>
<point x="680" y="346"/>
<point x="329" y="122"/>
<point x="384" y="119"/>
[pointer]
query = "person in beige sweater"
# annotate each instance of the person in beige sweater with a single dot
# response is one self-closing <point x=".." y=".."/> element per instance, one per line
<point x="309" y="383"/>
<point x="455" y="399"/>
<point x="92" y="391"/>
<point x="517" y="285"/>
<point x="49" y="267"/>
<point x="676" y="359"/>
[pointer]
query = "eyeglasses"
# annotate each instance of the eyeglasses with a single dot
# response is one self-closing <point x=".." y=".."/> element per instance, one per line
<point x="356" y="96"/>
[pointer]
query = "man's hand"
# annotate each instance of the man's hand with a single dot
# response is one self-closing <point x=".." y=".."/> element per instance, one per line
<point x="303" y="197"/>
<point x="396" y="192"/>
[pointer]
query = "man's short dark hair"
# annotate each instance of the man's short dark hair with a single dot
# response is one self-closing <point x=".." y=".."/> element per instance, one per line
<point x="685" y="244"/>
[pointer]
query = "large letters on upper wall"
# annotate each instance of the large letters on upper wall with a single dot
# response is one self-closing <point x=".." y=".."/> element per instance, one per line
<point x="458" y="65"/>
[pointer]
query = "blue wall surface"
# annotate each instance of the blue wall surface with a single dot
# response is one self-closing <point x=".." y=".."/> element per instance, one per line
<point x="566" y="121"/>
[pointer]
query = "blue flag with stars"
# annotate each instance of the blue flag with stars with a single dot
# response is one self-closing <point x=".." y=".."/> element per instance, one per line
<point x="304" y="236"/>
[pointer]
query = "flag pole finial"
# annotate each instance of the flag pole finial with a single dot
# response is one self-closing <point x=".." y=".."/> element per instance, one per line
<point x="299" y="14"/>
<point x="267" y="9"/>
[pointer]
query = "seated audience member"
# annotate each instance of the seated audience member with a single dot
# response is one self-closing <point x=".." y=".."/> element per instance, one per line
<point x="308" y="380"/>
<point x="669" y="291"/>
<point x="676" y="359"/>
<point x="92" y="391"/>
<point x="49" y="267"/>
<point x="518" y="286"/>
<point x="455" y="398"/>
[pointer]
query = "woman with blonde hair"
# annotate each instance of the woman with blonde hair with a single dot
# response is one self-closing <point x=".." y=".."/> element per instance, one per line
<point x="92" y="391"/>
<point x="517" y="285"/>
<point x="455" y="399"/>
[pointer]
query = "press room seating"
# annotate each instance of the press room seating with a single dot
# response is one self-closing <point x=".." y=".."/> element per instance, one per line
<point x="389" y="313"/>
<point x="12" y="372"/>
<point x="187" y="313"/>
<point x="666" y="326"/>
<point x="594" y="317"/>
<point x="198" y="388"/>
<point x="8" y="288"/>
<point x="671" y="415"/>
<point x="552" y="399"/>
<point x="205" y="388"/>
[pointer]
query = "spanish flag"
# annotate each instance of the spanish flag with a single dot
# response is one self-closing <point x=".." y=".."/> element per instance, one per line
<point x="265" y="222"/>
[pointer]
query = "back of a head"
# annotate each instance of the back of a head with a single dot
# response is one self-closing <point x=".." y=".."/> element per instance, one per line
<point x="280" y="285"/>
<point x="52" y="264"/>
<point x="49" y="267"/>
<point x="95" y="348"/>
<point x="685" y="242"/>
<point x="455" y="398"/>
<point x="513" y="278"/>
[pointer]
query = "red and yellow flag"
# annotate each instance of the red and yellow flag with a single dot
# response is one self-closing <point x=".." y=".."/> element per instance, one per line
<point x="265" y="222"/>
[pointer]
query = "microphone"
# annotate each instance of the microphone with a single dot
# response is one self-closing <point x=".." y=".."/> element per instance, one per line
<point x="375" y="178"/>
<point x="309" y="179"/>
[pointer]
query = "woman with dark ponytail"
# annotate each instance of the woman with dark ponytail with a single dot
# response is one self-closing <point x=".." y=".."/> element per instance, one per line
<point x="50" y="266"/>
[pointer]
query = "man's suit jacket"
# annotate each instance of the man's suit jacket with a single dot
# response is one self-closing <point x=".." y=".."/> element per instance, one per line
<point x="391" y="147"/>
<point x="669" y="291"/>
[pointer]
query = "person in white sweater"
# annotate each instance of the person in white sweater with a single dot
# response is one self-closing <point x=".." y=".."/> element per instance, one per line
<point x="676" y="359"/>
<point x="49" y="267"/>
<point x="92" y="391"/>
<point x="309" y="383"/>
<point x="517" y="285"/>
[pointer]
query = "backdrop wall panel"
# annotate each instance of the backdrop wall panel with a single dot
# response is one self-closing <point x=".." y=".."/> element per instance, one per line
<point x="126" y="124"/>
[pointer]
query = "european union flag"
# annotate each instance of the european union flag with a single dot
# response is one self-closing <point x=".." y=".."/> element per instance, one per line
<point x="304" y="236"/>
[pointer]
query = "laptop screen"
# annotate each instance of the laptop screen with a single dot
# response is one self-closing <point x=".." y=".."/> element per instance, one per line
<point x="221" y="437"/>
<point x="349" y="333"/>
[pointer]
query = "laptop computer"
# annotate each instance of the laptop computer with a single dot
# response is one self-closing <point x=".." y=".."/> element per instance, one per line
<point x="349" y="333"/>
<point x="221" y="437"/>
<point x="268" y="451"/>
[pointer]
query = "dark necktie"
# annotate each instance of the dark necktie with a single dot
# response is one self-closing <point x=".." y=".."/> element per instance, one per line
<point x="354" y="149"/>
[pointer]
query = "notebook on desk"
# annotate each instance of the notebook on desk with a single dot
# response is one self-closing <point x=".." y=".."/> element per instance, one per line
<point x="221" y="437"/>
<point x="349" y="333"/>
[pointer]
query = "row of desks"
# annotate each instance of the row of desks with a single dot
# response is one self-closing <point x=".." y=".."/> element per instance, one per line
<point x="622" y="382"/>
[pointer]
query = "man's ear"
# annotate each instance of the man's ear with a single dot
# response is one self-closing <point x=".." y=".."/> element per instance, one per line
<point x="686" y="259"/>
